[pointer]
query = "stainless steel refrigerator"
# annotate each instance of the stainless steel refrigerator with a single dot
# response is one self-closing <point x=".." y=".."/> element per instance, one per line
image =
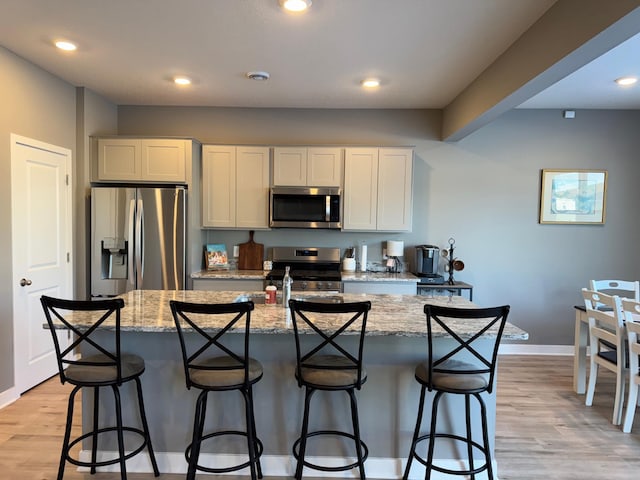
<point x="137" y="239"/>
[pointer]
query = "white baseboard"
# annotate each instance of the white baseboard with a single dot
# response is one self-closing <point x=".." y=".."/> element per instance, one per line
<point x="8" y="397"/>
<point x="281" y="465"/>
<point x="526" y="349"/>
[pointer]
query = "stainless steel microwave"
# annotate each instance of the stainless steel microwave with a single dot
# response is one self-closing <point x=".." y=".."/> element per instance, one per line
<point x="305" y="207"/>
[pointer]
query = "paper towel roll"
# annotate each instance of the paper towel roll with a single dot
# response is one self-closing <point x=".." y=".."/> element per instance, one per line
<point x="363" y="258"/>
<point x="395" y="248"/>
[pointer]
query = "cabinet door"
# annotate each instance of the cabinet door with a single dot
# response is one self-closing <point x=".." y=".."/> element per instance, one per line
<point x="395" y="179"/>
<point x="218" y="186"/>
<point x="119" y="159"/>
<point x="360" y="189"/>
<point x="289" y="166"/>
<point x="324" y="167"/>
<point x="252" y="189"/>
<point x="163" y="160"/>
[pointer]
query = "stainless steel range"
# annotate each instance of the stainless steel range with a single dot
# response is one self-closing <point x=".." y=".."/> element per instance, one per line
<point x="312" y="269"/>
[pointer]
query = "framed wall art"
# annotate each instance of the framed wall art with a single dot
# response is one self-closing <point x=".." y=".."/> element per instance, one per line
<point x="573" y="196"/>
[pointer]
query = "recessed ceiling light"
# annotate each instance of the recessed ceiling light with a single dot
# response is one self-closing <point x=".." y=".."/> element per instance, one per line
<point x="66" y="45"/>
<point x="182" y="80"/>
<point x="260" y="76"/>
<point x="295" y="5"/>
<point x="370" y="83"/>
<point x="625" y="81"/>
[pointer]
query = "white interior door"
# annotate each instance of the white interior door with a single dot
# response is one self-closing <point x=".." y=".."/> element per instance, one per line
<point x="41" y="252"/>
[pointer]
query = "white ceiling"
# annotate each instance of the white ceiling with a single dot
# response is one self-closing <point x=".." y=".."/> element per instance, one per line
<point x="424" y="51"/>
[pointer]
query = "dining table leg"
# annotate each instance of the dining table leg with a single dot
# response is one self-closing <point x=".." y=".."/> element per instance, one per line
<point x="580" y="351"/>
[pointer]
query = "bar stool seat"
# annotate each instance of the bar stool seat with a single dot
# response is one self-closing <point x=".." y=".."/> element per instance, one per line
<point x="465" y="369"/>
<point x="211" y="365"/>
<point x="325" y="363"/>
<point x="107" y="367"/>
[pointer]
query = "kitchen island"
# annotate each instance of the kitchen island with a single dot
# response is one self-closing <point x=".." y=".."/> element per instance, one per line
<point x="395" y="343"/>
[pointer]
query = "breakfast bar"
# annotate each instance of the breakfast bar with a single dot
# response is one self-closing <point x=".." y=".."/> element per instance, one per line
<point x="394" y="344"/>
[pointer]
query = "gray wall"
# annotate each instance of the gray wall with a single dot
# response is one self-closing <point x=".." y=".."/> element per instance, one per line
<point x="37" y="105"/>
<point x="483" y="191"/>
<point x="96" y="116"/>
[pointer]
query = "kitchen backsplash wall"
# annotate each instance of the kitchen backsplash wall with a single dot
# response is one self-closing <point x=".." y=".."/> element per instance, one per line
<point x="483" y="190"/>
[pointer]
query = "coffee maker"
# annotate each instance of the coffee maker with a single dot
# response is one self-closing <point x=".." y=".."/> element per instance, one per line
<point x="426" y="264"/>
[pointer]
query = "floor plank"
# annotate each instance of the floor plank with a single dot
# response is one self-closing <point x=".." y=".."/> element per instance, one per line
<point x="543" y="429"/>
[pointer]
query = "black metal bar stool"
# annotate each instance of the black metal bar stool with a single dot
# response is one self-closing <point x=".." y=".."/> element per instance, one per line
<point x="462" y="370"/>
<point x="100" y="365"/>
<point x="327" y="364"/>
<point x="212" y="366"/>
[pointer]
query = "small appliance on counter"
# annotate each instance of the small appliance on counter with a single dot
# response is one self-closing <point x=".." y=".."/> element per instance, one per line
<point x="426" y="264"/>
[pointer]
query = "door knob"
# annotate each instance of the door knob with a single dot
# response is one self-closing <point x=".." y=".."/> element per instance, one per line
<point x="24" y="282"/>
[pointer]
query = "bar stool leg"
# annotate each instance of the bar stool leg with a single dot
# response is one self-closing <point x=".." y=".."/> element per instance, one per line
<point x="67" y="433"/>
<point x="145" y="426"/>
<point x="253" y="433"/>
<point x="123" y="467"/>
<point x="94" y="437"/>
<point x="467" y="415"/>
<point x="416" y="433"/>
<point x="485" y="436"/>
<point x="250" y="438"/>
<point x="356" y="431"/>
<point x="198" y="427"/>
<point x="432" y="433"/>
<point x="303" y="435"/>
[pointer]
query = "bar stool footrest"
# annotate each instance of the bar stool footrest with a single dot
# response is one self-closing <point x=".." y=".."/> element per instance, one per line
<point x="458" y="438"/>
<point x="104" y="463"/>
<point x="233" y="468"/>
<point x="365" y="451"/>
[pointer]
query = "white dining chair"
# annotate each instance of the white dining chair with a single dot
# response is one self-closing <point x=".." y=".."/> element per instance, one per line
<point x="606" y="328"/>
<point x="631" y="311"/>
<point x="622" y="288"/>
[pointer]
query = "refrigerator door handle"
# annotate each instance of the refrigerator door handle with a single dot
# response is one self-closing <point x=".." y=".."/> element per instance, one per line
<point x="139" y="240"/>
<point x="131" y="243"/>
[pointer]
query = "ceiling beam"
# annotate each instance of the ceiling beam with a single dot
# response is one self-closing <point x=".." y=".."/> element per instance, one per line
<point x="569" y="35"/>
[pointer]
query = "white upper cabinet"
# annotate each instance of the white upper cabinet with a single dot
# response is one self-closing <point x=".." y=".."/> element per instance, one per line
<point x="146" y="160"/>
<point x="395" y="192"/>
<point x="360" y="196"/>
<point x="235" y="187"/>
<point x="378" y="189"/>
<point x="307" y="166"/>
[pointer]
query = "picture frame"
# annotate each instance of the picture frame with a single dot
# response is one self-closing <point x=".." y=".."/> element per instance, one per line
<point x="215" y="256"/>
<point x="573" y="196"/>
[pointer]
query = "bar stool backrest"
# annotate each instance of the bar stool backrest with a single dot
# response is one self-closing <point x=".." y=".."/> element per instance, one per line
<point x="194" y="317"/>
<point x="88" y="316"/>
<point x="465" y="354"/>
<point x="329" y="321"/>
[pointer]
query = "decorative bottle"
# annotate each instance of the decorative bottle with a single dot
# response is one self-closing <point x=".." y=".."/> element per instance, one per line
<point x="286" y="287"/>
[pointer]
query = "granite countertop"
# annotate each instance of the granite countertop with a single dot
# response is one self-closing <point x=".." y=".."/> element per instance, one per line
<point x="390" y="315"/>
<point x="346" y="276"/>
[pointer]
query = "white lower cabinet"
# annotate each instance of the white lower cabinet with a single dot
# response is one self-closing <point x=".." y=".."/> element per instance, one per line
<point x="378" y="189"/>
<point x="235" y="187"/>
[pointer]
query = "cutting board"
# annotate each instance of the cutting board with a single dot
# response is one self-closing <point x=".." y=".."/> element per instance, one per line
<point x="250" y="255"/>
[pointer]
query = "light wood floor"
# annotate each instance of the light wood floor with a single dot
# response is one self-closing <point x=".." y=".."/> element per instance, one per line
<point x="544" y="430"/>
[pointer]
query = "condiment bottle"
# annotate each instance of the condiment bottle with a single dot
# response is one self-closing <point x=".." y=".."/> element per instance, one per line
<point x="270" y="294"/>
<point x="286" y="287"/>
